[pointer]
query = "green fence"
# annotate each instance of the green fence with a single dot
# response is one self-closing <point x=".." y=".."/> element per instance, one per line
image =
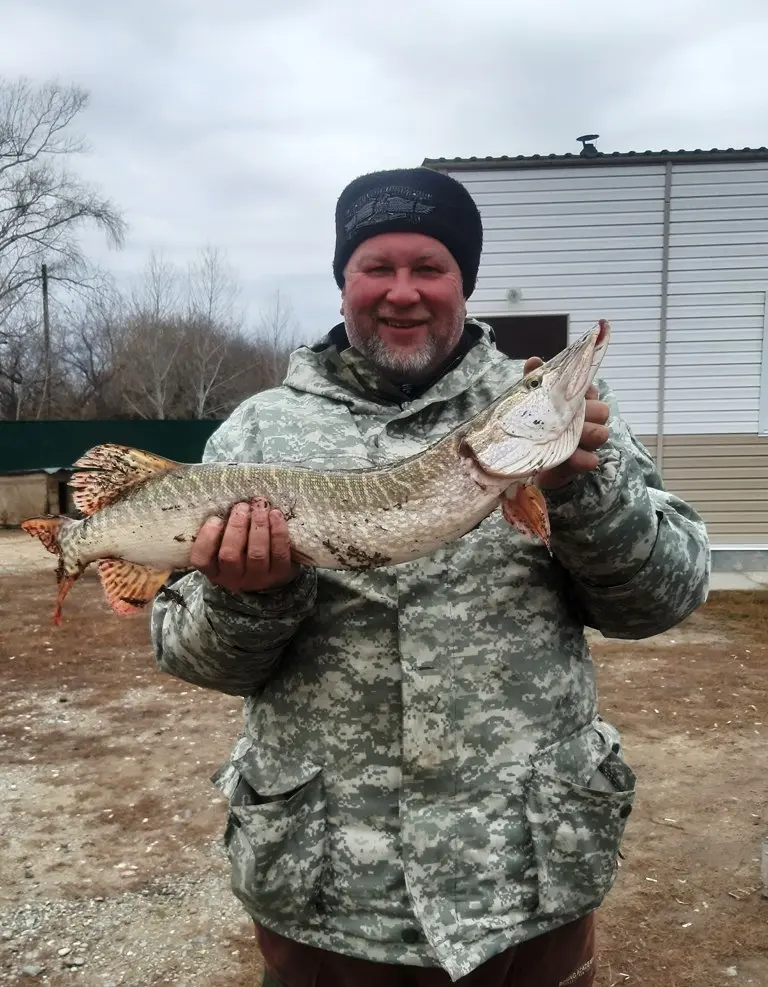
<point x="57" y="444"/>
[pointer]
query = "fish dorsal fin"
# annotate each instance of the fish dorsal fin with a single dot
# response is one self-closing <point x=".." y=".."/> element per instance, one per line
<point x="111" y="471"/>
<point x="128" y="586"/>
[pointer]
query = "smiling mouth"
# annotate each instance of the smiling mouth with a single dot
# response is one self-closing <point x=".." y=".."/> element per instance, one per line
<point x="402" y="323"/>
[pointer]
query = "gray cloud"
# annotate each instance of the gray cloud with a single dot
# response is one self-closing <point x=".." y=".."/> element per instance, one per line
<point x="237" y="124"/>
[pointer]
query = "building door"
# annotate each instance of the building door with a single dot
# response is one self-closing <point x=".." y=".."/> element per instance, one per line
<point x="521" y="336"/>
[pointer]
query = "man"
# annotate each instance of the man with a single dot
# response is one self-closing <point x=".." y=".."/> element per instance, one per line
<point x="424" y="791"/>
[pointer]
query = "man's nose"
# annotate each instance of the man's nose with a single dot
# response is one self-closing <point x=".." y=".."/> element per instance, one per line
<point x="403" y="290"/>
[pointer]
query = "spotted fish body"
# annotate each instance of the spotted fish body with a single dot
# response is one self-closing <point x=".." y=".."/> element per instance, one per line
<point x="336" y="520"/>
<point x="143" y="512"/>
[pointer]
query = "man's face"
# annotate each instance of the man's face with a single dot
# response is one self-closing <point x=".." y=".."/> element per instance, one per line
<point x="403" y="304"/>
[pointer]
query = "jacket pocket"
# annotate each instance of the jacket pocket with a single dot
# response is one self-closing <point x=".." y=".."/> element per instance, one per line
<point x="579" y="796"/>
<point x="276" y="847"/>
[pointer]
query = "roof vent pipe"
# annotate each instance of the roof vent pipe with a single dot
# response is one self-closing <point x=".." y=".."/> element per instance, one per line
<point x="588" y="149"/>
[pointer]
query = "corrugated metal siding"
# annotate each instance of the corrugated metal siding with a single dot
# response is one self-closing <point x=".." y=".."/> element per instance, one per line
<point x="586" y="244"/>
<point x="725" y="478"/>
<point x="718" y="278"/>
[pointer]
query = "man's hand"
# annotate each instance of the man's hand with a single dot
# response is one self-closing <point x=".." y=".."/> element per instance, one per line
<point x="593" y="435"/>
<point x="250" y="551"/>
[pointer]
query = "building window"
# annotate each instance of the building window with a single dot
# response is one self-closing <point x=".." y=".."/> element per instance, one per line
<point x="521" y="336"/>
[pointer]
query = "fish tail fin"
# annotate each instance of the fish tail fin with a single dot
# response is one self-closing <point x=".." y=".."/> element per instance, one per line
<point x="109" y="471"/>
<point x="128" y="586"/>
<point x="49" y="530"/>
<point x="527" y="512"/>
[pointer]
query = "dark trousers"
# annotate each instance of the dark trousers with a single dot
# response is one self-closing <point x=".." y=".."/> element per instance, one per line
<point x="562" y="958"/>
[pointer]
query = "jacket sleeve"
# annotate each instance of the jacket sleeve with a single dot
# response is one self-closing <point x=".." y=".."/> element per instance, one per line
<point x="638" y="556"/>
<point x="230" y="642"/>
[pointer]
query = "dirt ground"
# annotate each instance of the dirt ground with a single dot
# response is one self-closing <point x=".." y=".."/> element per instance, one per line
<point x="111" y="866"/>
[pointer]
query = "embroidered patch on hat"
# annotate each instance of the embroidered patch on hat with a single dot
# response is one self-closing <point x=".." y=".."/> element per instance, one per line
<point x="392" y="202"/>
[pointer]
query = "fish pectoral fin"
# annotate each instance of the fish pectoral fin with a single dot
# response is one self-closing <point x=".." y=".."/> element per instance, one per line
<point x="66" y="580"/>
<point x="111" y="470"/>
<point x="128" y="586"/>
<point x="47" y="529"/>
<point x="527" y="512"/>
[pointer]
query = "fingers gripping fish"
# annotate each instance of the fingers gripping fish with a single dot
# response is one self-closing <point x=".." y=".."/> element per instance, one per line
<point x="142" y="512"/>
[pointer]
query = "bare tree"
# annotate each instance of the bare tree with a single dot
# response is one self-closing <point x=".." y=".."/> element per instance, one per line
<point x="183" y="350"/>
<point x="277" y="326"/>
<point x="22" y="366"/>
<point x="213" y="290"/>
<point x="158" y="296"/>
<point x="43" y="206"/>
<point x="213" y="329"/>
<point x="149" y="342"/>
<point x="170" y="350"/>
<point x="147" y="366"/>
<point x="92" y="342"/>
<point x="174" y="347"/>
<point x="216" y="364"/>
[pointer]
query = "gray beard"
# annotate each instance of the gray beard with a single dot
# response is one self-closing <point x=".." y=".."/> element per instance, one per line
<point x="405" y="367"/>
<point x="402" y="368"/>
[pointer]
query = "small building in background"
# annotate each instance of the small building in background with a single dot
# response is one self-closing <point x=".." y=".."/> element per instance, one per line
<point x="672" y="248"/>
<point x="30" y="493"/>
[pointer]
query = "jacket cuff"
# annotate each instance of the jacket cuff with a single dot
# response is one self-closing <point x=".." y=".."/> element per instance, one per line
<point x="588" y="497"/>
<point x="296" y="595"/>
<point x="605" y="523"/>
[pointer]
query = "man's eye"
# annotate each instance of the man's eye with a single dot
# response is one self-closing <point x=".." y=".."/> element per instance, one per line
<point x="427" y="269"/>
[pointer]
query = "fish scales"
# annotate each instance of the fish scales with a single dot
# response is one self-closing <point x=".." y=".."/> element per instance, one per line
<point x="143" y="512"/>
<point x="336" y="519"/>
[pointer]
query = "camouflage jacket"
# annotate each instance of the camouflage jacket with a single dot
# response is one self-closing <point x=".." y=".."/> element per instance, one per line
<point x="423" y="776"/>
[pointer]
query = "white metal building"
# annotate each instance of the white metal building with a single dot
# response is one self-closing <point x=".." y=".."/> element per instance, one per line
<point x="672" y="248"/>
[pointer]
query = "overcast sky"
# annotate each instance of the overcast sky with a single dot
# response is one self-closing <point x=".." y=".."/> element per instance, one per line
<point x="236" y="123"/>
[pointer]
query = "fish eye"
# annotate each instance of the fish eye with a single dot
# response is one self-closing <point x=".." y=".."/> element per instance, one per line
<point x="533" y="383"/>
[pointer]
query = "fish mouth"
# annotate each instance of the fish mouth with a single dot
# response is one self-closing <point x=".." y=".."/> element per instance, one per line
<point x="478" y="470"/>
<point x="573" y="370"/>
<point x="603" y="332"/>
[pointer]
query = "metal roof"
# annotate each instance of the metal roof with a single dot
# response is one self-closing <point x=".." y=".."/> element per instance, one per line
<point x="580" y="160"/>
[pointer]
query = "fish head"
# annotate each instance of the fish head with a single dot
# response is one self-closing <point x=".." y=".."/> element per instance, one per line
<point x="537" y="424"/>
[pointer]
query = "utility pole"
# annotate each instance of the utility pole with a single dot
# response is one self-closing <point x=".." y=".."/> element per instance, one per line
<point x="46" y="346"/>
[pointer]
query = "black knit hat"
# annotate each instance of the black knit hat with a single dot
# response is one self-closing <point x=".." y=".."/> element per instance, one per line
<point x="410" y="200"/>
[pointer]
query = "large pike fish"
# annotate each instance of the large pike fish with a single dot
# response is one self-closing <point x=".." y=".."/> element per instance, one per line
<point x="142" y="512"/>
